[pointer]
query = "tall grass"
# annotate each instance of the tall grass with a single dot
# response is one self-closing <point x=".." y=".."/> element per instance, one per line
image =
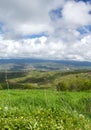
<point x="31" y="99"/>
<point x="44" y="110"/>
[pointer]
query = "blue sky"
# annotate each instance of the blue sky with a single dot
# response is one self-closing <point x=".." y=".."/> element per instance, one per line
<point x="47" y="29"/>
<point x="84" y="0"/>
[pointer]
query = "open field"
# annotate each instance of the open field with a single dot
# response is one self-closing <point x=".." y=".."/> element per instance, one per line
<point x="51" y="100"/>
<point x="44" y="110"/>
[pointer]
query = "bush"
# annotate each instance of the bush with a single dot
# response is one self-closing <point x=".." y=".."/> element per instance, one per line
<point x="30" y="86"/>
<point x="87" y="85"/>
<point x="74" y="85"/>
<point x="61" y="86"/>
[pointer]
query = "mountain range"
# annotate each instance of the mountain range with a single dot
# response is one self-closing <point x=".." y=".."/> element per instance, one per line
<point x="42" y="64"/>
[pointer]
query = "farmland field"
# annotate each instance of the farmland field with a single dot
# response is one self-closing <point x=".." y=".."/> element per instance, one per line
<point x="44" y="110"/>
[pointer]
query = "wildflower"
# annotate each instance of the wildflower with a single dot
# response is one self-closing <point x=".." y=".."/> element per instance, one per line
<point x="6" y="109"/>
<point x="81" y="116"/>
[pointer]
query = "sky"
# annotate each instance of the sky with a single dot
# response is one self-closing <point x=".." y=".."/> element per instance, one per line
<point x="45" y="29"/>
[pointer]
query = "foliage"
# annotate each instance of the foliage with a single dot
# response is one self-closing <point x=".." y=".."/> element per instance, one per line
<point x="62" y="86"/>
<point x="74" y="85"/>
<point x="42" y="119"/>
<point x="44" y="110"/>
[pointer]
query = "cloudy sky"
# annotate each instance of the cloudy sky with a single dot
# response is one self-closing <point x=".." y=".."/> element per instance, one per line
<point x="47" y="29"/>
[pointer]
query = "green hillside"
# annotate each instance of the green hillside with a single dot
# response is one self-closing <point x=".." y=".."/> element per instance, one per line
<point x="60" y="80"/>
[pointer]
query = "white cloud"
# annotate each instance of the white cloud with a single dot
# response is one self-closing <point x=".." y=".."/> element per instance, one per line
<point x="80" y="50"/>
<point x="76" y="13"/>
<point x="25" y="17"/>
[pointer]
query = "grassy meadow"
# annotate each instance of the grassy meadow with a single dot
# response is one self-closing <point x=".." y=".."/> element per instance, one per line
<point x="46" y="101"/>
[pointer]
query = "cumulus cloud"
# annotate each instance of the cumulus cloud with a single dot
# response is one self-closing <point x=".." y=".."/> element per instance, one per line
<point x="26" y="16"/>
<point x="60" y="20"/>
<point x="77" y="13"/>
<point x="43" y="48"/>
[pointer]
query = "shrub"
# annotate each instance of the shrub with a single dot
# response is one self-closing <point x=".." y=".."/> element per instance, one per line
<point x="30" y="86"/>
<point x="87" y="85"/>
<point x="61" y="86"/>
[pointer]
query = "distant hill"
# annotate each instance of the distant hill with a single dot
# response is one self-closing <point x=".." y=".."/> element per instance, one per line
<point x="68" y="62"/>
<point x="42" y="64"/>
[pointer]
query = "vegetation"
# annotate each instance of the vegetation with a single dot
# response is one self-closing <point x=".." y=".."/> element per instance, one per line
<point x="62" y="81"/>
<point x="75" y="85"/>
<point x="44" y="110"/>
<point x="39" y="100"/>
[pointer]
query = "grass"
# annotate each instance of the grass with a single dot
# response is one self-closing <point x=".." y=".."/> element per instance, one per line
<point x="39" y="106"/>
<point x="33" y="98"/>
<point x="44" y="110"/>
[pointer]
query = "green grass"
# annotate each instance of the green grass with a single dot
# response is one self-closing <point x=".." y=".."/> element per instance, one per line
<point x="44" y="110"/>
